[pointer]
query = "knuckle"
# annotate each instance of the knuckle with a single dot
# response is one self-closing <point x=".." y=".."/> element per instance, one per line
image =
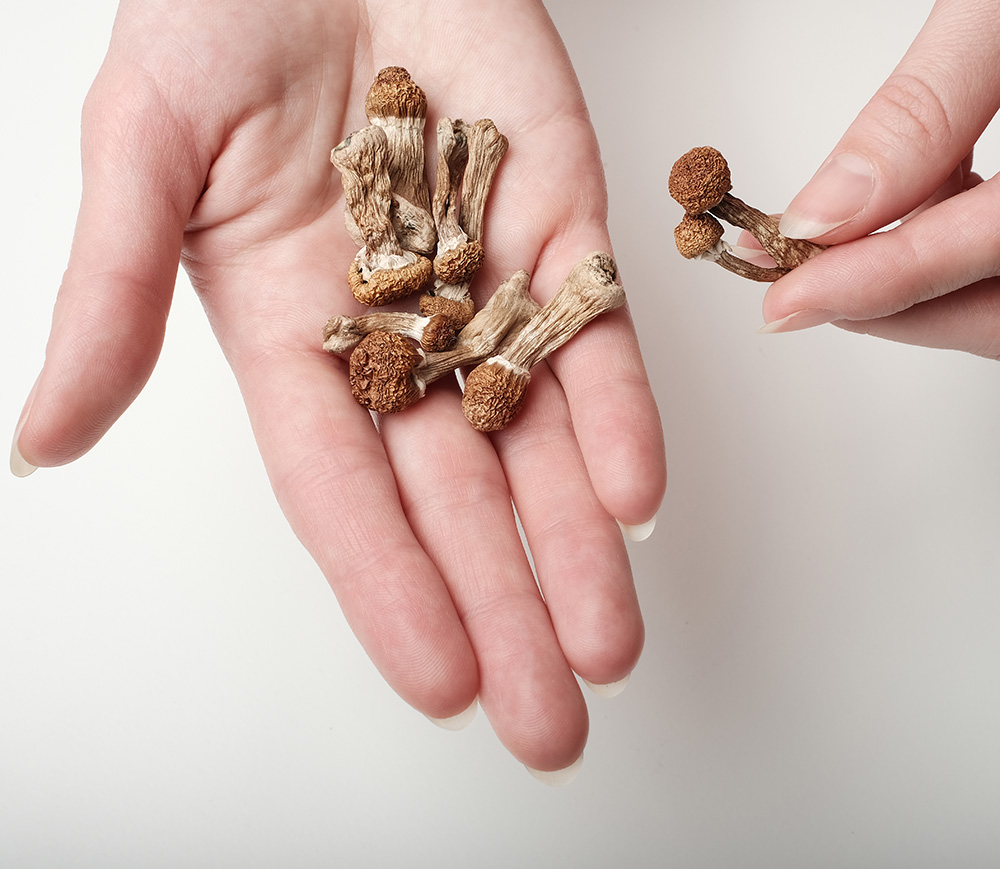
<point x="909" y="108"/>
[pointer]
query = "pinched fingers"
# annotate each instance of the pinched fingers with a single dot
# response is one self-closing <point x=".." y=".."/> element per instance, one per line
<point x="914" y="131"/>
<point x="948" y="247"/>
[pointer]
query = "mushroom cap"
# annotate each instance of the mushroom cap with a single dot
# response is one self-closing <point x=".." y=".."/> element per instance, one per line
<point x="699" y="179"/>
<point x="459" y="311"/>
<point x="394" y="94"/>
<point x="388" y="285"/>
<point x="439" y="334"/>
<point x="494" y="393"/>
<point x="458" y="265"/>
<point x="697" y="234"/>
<point x="380" y="371"/>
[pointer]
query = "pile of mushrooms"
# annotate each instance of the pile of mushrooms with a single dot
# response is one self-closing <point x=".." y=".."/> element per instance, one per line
<point x="412" y="243"/>
<point x="700" y="182"/>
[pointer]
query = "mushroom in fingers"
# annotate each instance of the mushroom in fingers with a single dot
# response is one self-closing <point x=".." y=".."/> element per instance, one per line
<point x="700" y="182"/>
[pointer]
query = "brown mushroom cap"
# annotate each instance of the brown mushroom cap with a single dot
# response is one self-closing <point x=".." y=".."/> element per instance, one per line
<point x="385" y="286"/>
<point x="380" y="372"/>
<point x="439" y="334"/>
<point x="459" y="311"/>
<point x="697" y="234"/>
<point x="699" y="179"/>
<point x="493" y="395"/>
<point x="458" y="265"/>
<point x="394" y="94"/>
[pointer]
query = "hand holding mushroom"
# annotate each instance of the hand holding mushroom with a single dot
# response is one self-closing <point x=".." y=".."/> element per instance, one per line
<point x="388" y="370"/>
<point x="217" y="156"/>
<point x="933" y="279"/>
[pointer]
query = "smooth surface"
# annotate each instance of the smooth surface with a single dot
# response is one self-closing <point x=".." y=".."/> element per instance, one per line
<point x="822" y="589"/>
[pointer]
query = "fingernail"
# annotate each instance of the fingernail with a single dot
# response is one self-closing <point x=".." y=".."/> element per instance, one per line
<point x="799" y="320"/>
<point x="638" y="533"/>
<point x="836" y="194"/>
<point x="457" y="722"/>
<point x="753" y="255"/>
<point x="558" y="778"/>
<point x="611" y="689"/>
<point x="19" y="466"/>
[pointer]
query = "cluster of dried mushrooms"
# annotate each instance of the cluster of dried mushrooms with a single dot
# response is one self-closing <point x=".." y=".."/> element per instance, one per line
<point x="412" y="243"/>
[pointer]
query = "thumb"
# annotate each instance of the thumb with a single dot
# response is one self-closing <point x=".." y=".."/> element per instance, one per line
<point x="139" y="185"/>
<point x="913" y="133"/>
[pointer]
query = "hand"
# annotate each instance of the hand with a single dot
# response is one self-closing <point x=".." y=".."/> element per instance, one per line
<point x="933" y="279"/>
<point x="206" y="140"/>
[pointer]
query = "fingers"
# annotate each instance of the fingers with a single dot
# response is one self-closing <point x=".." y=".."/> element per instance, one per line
<point x="139" y="185"/>
<point x="912" y="134"/>
<point x="456" y="498"/>
<point x="933" y="254"/>
<point x="330" y="475"/>
<point x="578" y="551"/>
<point x="616" y="422"/>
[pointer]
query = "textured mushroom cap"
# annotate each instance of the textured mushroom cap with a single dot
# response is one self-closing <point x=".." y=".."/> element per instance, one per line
<point x="380" y="372"/>
<point x="388" y="285"/>
<point x="394" y="94"/>
<point x="440" y="333"/>
<point x="697" y="234"/>
<point x="459" y="311"/>
<point x="699" y="179"/>
<point x="493" y="395"/>
<point x="458" y="265"/>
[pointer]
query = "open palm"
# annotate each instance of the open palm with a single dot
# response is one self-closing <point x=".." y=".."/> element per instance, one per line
<point x="206" y="141"/>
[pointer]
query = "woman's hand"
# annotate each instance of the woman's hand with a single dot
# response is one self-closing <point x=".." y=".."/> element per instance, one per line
<point x="206" y="141"/>
<point x="932" y="280"/>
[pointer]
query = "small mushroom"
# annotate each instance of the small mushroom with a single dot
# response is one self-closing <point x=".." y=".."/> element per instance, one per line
<point x="495" y="389"/>
<point x="432" y="333"/>
<point x="382" y="272"/>
<point x="699" y="236"/>
<point x="458" y="256"/>
<point x="388" y="372"/>
<point x="474" y="153"/>
<point x="399" y="106"/>
<point x="487" y="146"/>
<point x="700" y="181"/>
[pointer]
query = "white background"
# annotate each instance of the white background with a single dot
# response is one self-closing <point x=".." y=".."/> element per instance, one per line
<point x="820" y="682"/>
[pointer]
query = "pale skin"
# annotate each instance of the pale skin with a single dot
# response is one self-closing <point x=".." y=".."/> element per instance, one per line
<point x="206" y="141"/>
<point x="932" y="281"/>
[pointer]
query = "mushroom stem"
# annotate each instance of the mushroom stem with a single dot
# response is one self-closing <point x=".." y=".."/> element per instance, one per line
<point x="431" y="333"/>
<point x="382" y="272"/>
<point x="487" y="146"/>
<point x="786" y="252"/>
<point x="458" y="256"/>
<point x="507" y="311"/>
<point x="495" y="389"/>
<point x="399" y="106"/>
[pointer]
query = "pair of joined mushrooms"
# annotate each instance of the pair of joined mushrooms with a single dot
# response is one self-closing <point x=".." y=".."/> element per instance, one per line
<point x="700" y="182"/>
<point x="407" y="237"/>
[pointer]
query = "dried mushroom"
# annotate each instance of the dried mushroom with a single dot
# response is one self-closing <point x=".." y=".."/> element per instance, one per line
<point x="700" y="181"/>
<point x="406" y="237"/>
